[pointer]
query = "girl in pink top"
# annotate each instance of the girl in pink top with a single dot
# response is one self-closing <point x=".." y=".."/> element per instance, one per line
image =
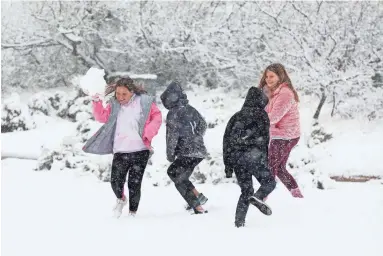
<point x="132" y="119"/>
<point x="284" y="122"/>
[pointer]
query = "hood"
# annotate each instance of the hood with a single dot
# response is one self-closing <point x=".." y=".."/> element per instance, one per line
<point x="174" y="96"/>
<point x="255" y="98"/>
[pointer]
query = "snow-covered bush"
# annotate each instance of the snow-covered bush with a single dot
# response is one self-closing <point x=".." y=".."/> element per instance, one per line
<point x="318" y="135"/>
<point x="70" y="155"/>
<point x="302" y="164"/>
<point x="39" y="103"/>
<point x="49" y="104"/>
<point x="75" y="107"/>
<point x="15" y="115"/>
<point x="59" y="102"/>
<point x="80" y="109"/>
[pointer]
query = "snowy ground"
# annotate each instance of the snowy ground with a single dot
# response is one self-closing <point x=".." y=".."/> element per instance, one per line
<point x="69" y="213"/>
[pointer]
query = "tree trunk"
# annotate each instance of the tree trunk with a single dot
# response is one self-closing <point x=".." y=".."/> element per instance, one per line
<point x="321" y="103"/>
<point x="333" y="104"/>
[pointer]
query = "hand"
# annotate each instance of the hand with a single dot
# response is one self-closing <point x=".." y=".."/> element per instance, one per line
<point x="171" y="158"/>
<point x="96" y="97"/>
<point x="229" y="172"/>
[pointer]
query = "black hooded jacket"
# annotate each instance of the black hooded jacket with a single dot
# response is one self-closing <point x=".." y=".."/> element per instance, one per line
<point x="185" y="127"/>
<point x="247" y="130"/>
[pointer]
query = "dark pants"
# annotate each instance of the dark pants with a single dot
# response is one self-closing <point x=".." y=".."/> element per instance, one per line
<point x="179" y="172"/>
<point x="246" y="168"/>
<point x="279" y="151"/>
<point x="134" y="164"/>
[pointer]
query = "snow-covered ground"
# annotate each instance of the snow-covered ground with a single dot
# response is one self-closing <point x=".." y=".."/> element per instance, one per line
<point x="69" y="213"/>
<point x="29" y="143"/>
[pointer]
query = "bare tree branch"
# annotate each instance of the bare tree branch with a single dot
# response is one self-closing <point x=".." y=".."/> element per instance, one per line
<point x="319" y="6"/>
<point x="302" y="13"/>
<point x="296" y="39"/>
<point x="39" y="43"/>
<point x="332" y="48"/>
<point x="281" y="10"/>
<point x="53" y="12"/>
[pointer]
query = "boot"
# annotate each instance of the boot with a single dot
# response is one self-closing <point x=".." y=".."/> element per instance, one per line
<point x="202" y="200"/>
<point x="296" y="192"/>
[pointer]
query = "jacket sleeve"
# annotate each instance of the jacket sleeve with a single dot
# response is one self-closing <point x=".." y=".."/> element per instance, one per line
<point x="202" y="125"/>
<point x="154" y="122"/>
<point x="283" y="103"/>
<point x="172" y="136"/>
<point x="227" y="140"/>
<point x="100" y="113"/>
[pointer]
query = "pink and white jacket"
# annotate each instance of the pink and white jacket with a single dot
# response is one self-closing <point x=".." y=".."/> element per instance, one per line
<point x="103" y="140"/>
<point x="283" y="114"/>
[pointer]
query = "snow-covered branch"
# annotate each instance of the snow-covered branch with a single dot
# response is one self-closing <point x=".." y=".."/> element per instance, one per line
<point x="37" y="43"/>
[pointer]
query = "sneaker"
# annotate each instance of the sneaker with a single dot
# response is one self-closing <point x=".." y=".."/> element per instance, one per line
<point x="202" y="200"/>
<point x="262" y="206"/>
<point x="132" y="214"/>
<point x="200" y="212"/>
<point x="120" y="204"/>
<point x="296" y="193"/>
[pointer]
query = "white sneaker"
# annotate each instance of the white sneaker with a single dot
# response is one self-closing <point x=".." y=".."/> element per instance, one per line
<point x="120" y="204"/>
<point x="132" y="214"/>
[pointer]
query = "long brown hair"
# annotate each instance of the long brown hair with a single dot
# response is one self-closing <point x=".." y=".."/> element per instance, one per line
<point x="284" y="78"/>
<point x="128" y="83"/>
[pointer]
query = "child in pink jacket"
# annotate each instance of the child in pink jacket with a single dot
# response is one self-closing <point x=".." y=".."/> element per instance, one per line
<point x="284" y="122"/>
<point x="131" y="120"/>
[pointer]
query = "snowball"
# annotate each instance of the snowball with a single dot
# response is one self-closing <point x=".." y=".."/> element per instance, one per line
<point x="93" y="82"/>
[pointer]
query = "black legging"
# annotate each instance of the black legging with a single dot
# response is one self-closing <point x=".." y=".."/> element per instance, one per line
<point x="134" y="164"/>
<point x="179" y="172"/>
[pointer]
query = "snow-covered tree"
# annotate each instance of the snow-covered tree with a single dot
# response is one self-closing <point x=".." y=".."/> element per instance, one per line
<point x="329" y="48"/>
<point x="328" y="43"/>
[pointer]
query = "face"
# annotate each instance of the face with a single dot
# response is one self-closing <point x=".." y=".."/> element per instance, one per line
<point x="272" y="79"/>
<point x="123" y="95"/>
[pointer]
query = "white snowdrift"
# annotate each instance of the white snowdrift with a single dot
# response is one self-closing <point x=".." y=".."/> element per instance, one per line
<point x="28" y="144"/>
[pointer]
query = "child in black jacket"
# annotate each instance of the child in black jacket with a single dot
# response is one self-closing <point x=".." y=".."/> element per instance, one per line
<point x="245" y="151"/>
<point x="185" y="147"/>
